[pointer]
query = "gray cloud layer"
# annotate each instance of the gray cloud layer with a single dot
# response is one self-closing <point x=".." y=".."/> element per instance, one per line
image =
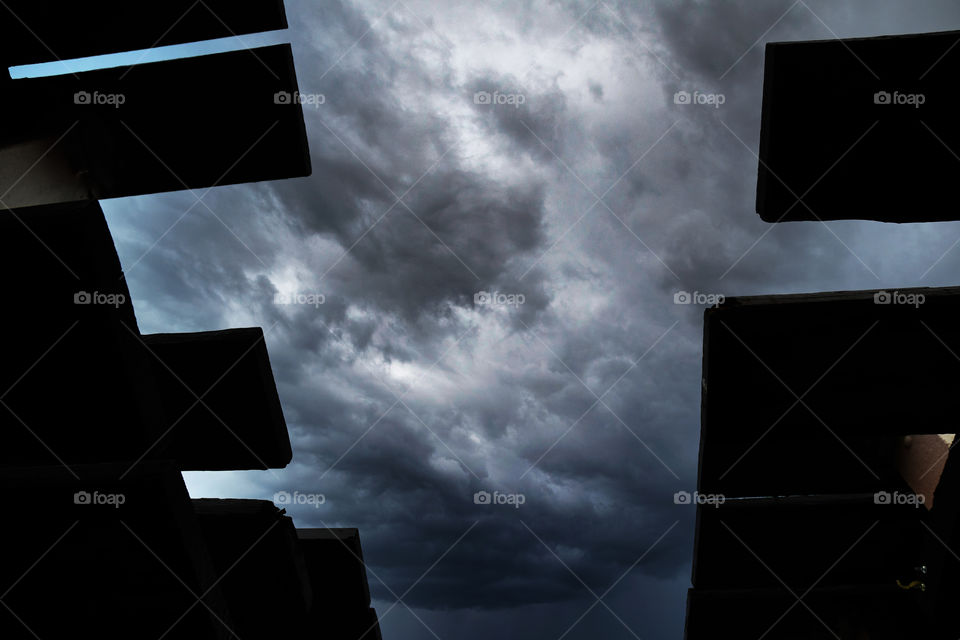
<point x="503" y="199"/>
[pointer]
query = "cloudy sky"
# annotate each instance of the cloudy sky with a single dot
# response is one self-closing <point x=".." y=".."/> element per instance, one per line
<point x="505" y="200"/>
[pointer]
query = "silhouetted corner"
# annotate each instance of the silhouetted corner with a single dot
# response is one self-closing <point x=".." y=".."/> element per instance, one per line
<point x="828" y="419"/>
<point x="97" y="421"/>
<point x="860" y="129"/>
<point x="821" y="428"/>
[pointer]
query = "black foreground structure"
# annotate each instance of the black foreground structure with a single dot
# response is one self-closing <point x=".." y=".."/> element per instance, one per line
<point x="860" y="129"/>
<point x="97" y="421"/>
<point x="829" y="502"/>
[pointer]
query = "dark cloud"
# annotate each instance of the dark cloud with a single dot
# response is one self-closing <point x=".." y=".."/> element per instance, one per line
<point x="404" y="394"/>
<point x="531" y="120"/>
<point x="707" y="39"/>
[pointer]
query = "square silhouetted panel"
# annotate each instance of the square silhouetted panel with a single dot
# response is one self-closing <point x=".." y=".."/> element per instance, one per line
<point x="809" y="393"/>
<point x="220" y="400"/>
<point x="860" y="129"/>
<point x="259" y="564"/>
<point x="341" y="607"/>
<point x="335" y="558"/>
<point x="190" y="123"/>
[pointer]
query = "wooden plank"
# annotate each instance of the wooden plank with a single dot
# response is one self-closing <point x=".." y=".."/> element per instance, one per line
<point x="802" y="541"/>
<point x="833" y="135"/>
<point x="239" y="424"/>
<point x="163" y="126"/>
<point x="118" y="563"/>
<point x="335" y="557"/>
<point x="44" y="30"/>
<point x="857" y="611"/>
<point x="867" y="373"/>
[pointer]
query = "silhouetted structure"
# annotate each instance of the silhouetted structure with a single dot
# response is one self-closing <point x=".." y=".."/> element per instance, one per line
<point x="806" y="400"/>
<point x="97" y="421"/>
<point x="860" y="129"/>
<point x="44" y="30"/>
<point x="163" y="126"/>
<point x="342" y="599"/>
<point x="829" y="506"/>
<point x="871" y="373"/>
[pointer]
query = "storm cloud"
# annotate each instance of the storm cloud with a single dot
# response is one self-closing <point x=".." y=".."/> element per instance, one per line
<point x="505" y="200"/>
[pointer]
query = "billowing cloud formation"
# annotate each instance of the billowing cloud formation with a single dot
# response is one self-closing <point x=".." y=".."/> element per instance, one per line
<point x="534" y="152"/>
